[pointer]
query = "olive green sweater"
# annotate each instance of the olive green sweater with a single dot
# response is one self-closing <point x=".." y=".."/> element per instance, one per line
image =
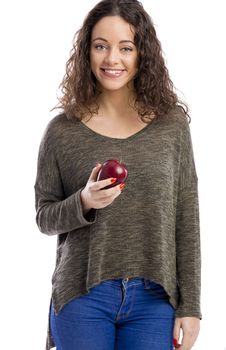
<point x="151" y="230"/>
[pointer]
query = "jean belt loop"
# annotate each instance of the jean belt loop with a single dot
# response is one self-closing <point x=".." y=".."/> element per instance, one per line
<point x="147" y="283"/>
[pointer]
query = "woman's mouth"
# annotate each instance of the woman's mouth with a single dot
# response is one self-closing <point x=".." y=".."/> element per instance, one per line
<point x="112" y="73"/>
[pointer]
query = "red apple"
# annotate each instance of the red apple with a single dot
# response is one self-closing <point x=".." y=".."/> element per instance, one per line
<point x="113" y="168"/>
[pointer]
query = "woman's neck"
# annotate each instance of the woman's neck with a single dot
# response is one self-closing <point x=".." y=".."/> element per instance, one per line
<point x="116" y="104"/>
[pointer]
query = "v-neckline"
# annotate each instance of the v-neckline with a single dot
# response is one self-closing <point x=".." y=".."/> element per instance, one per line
<point x="134" y="135"/>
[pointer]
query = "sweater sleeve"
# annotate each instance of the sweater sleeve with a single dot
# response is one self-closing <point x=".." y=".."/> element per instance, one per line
<point x="188" y="253"/>
<point x="56" y="214"/>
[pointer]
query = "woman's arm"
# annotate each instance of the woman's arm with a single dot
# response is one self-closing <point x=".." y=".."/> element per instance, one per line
<point x="56" y="214"/>
<point x="188" y="252"/>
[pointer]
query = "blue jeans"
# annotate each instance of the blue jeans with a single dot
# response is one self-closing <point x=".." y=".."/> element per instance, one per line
<point x="117" y="314"/>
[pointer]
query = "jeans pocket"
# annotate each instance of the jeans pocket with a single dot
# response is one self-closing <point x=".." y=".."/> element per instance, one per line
<point x="157" y="290"/>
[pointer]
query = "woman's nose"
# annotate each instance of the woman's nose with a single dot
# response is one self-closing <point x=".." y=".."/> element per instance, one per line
<point x="112" y="56"/>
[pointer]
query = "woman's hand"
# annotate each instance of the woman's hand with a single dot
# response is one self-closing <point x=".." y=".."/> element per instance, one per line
<point x="190" y="327"/>
<point x="93" y="196"/>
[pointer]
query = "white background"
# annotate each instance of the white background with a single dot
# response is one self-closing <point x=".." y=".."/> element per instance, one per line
<point x="36" y="38"/>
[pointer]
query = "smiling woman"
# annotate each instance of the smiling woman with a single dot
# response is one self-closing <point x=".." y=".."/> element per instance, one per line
<point x="128" y="264"/>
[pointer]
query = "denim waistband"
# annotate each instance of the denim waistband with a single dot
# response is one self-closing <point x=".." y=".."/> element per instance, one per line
<point x="128" y="281"/>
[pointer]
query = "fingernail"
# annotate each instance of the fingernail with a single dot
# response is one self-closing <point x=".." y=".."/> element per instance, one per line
<point x="122" y="186"/>
<point x="175" y="343"/>
<point x="97" y="164"/>
<point x="113" y="180"/>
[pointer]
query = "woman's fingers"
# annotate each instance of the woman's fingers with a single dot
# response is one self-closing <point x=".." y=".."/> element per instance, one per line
<point x="98" y="185"/>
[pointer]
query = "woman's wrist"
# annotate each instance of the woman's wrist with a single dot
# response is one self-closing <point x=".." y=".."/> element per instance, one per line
<point x="85" y="208"/>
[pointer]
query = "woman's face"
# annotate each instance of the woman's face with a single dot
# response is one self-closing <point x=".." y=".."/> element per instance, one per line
<point x="113" y="54"/>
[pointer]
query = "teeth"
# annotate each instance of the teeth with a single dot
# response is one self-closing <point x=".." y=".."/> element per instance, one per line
<point x="113" y="71"/>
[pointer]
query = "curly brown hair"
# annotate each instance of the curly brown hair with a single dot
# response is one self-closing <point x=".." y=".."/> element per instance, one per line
<point x="155" y="92"/>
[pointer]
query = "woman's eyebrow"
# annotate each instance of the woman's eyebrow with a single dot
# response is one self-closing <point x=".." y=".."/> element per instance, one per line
<point x="122" y="41"/>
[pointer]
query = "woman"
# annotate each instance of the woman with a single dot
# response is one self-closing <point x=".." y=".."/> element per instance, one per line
<point x="127" y="270"/>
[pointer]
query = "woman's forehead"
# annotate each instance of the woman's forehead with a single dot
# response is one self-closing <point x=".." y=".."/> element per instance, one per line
<point x="113" y="26"/>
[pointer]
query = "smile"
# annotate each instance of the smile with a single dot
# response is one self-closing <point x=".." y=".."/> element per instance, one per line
<point x="112" y="72"/>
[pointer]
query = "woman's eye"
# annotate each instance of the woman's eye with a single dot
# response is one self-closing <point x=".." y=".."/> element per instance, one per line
<point x="100" y="47"/>
<point x="127" y="49"/>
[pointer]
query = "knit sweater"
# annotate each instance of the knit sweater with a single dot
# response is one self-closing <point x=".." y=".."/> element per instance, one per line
<point x="150" y="230"/>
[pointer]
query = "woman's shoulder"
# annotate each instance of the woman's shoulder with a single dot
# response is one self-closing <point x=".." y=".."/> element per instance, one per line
<point x="58" y="121"/>
<point x="176" y="119"/>
<point x="56" y="129"/>
<point x="59" y="124"/>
